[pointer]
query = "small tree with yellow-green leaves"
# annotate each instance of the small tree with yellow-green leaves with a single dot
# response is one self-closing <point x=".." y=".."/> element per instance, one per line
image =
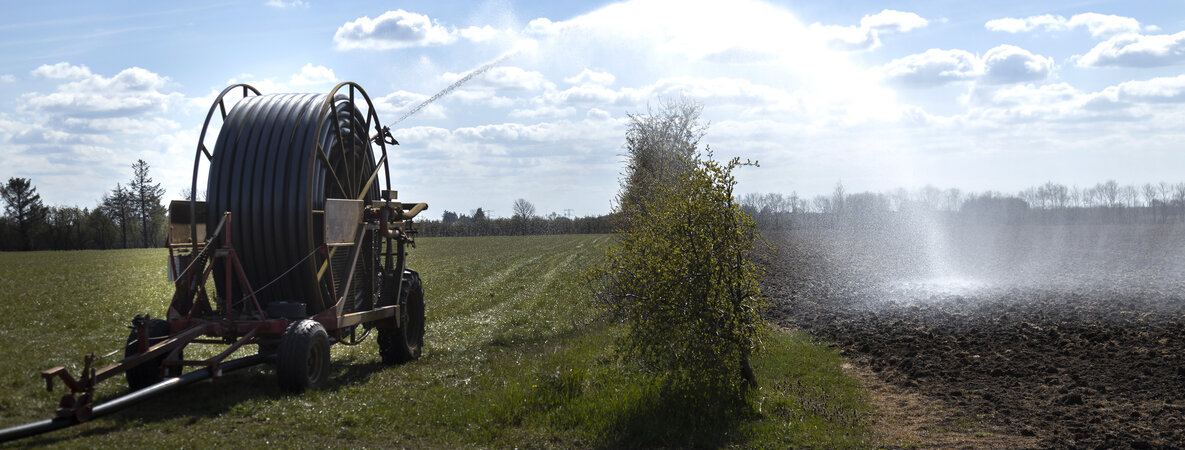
<point x="681" y="281"/>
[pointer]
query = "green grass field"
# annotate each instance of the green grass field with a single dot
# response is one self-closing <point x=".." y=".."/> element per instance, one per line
<point x="516" y="355"/>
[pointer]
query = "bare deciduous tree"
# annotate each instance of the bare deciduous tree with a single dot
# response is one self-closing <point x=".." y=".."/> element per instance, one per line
<point x="524" y="209"/>
<point x="117" y="206"/>
<point x="660" y="146"/>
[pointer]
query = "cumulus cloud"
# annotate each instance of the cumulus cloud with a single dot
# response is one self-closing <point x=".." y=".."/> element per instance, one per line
<point x="1063" y="103"/>
<point x="503" y="78"/>
<point x="669" y="37"/>
<point x="1011" y="64"/>
<point x="1099" y="25"/>
<point x="131" y="91"/>
<point x="1136" y="50"/>
<point x="544" y="111"/>
<point x="891" y="20"/>
<point x="589" y="76"/>
<point x="1028" y="94"/>
<point x="392" y="30"/>
<point x="88" y="126"/>
<point x="479" y="34"/>
<point x="936" y="67"/>
<point x="720" y="92"/>
<point x="866" y="36"/>
<point x="543" y="27"/>
<point x="1155" y="90"/>
<point x="397" y="103"/>
<point x="598" y="114"/>
<point x="310" y="74"/>
<point x="61" y="71"/>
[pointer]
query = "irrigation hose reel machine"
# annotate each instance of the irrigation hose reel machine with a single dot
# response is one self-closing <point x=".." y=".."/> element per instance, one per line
<point x="302" y="239"/>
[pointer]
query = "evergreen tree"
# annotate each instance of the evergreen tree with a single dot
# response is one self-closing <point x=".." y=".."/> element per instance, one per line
<point x="146" y="201"/>
<point x="22" y="205"/>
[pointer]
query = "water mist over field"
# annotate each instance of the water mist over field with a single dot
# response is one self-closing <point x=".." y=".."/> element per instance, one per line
<point x="1065" y="331"/>
<point x="932" y="257"/>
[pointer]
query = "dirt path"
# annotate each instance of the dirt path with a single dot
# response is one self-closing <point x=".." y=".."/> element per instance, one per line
<point x="907" y="419"/>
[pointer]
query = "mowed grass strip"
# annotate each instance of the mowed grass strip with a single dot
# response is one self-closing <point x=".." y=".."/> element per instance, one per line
<point x="516" y="354"/>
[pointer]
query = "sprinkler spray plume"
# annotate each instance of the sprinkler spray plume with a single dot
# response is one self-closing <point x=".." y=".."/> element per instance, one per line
<point x="525" y="45"/>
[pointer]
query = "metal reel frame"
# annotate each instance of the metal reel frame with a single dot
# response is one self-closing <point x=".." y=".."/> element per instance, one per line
<point x="220" y="105"/>
<point x="378" y="139"/>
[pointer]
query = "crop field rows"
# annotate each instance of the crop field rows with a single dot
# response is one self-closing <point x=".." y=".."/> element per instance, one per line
<point x="516" y="354"/>
<point x="485" y="295"/>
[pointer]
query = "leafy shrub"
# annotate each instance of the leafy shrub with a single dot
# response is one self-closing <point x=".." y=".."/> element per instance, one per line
<point x="681" y="281"/>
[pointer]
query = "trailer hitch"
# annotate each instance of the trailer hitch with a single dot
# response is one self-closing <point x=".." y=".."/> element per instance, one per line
<point x="78" y="402"/>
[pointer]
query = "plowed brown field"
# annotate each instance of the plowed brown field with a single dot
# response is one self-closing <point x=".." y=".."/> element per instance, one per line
<point x="1071" y="335"/>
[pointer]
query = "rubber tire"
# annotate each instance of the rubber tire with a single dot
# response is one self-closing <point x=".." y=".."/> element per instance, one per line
<point x="398" y="345"/>
<point x="148" y="373"/>
<point x="302" y="362"/>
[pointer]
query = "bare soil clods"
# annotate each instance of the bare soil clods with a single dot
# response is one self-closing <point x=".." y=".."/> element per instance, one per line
<point x="1074" y="336"/>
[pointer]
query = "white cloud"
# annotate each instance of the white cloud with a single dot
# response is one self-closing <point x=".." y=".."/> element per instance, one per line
<point x="1135" y="50"/>
<point x="668" y="39"/>
<point x="716" y="91"/>
<point x="91" y="127"/>
<point x="740" y="94"/>
<point x="934" y="67"/>
<point x="1105" y="24"/>
<point x="1099" y="25"/>
<point x="1061" y="103"/>
<point x="1011" y="64"/>
<point x="586" y="94"/>
<point x="1156" y="90"/>
<point x="264" y="85"/>
<point x="503" y="78"/>
<point x="598" y="114"/>
<point x="287" y="4"/>
<point x="545" y="111"/>
<point x="310" y="74"/>
<point x="479" y="34"/>
<point x="866" y="36"/>
<point x="891" y="20"/>
<point x="397" y="103"/>
<point x="131" y="91"/>
<point x="589" y="76"/>
<point x="1031" y="95"/>
<point x="61" y="71"/>
<point x="7" y="78"/>
<point x="1014" y="25"/>
<point x="542" y="27"/>
<point x="392" y="30"/>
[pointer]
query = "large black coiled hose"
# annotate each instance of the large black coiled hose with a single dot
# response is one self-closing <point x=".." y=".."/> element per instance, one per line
<point x="276" y="160"/>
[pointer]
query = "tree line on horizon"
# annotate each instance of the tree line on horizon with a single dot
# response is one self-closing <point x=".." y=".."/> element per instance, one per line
<point x="128" y="216"/>
<point x="1108" y="202"/>
<point x="523" y="222"/>
<point x="133" y="216"/>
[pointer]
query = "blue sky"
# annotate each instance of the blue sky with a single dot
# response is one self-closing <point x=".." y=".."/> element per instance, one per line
<point x="975" y="95"/>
